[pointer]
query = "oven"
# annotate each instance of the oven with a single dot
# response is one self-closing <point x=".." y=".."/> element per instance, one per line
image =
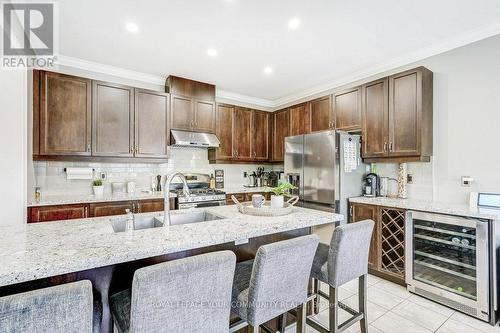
<point x="201" y="204"/>
<point x="448" y="261"/>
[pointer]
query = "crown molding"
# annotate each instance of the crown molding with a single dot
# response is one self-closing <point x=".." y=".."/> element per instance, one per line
<point x="276" y="104"/>
<point x="110" y="70"/>
<point x="418" y="55"/>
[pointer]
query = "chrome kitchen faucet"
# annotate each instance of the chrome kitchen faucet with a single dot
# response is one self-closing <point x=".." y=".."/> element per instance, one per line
<point x="166" y="194"/>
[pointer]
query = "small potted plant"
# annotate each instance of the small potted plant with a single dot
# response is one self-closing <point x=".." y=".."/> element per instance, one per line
<point x="280" y="191"/>
<point x="98" y="188"/>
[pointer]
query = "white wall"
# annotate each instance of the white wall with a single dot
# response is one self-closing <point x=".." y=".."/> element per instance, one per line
<point x="13" y="141"/>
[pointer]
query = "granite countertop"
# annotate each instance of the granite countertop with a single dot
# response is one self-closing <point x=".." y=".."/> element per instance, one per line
<point x="68" y="199"/>
<point x="431" y="206"/>
<point x="40" y="250"/>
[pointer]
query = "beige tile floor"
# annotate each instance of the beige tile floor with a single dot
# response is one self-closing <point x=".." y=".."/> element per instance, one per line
<point x="392" y="309"/>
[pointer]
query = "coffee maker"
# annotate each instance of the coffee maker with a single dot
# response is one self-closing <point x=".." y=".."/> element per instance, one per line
<point x="371" y="185"/>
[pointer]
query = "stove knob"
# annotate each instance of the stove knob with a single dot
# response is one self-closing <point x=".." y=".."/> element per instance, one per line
<point x="191" y="199"/>
<point x="203" y="198"/>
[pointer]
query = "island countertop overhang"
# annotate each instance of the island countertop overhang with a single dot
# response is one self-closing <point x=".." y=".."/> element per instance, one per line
<point x="36" y="251"/>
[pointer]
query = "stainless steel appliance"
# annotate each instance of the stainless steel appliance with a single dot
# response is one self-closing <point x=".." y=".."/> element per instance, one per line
<point x="200" y="193"/>
<point x="449" y="259"/>
<point x="194" y="139"/>
<point x="326" y="167"/>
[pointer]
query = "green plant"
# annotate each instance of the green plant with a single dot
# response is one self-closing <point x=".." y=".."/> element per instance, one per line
<point x="97" y="182"/>
<point x="283" y="188"/>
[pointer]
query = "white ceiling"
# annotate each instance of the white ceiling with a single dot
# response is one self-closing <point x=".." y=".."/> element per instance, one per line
<point x="337" y="38"/>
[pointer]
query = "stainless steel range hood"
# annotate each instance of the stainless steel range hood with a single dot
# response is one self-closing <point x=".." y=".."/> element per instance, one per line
<point x="194" y="139"/>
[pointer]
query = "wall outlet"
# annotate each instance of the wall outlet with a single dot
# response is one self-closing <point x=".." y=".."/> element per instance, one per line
<point x="103" y="176"/>
<point x="409" y="178"/>
<point x="467" y="181"/>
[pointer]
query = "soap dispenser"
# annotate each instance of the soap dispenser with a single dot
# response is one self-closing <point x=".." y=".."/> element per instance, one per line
<point x="129" y="226"/>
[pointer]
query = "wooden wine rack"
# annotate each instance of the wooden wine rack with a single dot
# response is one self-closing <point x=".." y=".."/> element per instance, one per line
<point x="392" y="241"/>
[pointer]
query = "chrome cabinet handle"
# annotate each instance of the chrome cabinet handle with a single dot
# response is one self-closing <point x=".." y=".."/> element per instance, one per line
<point x="86" y="212"/>
<point x="385" y="147"/>
<point x="88" y="147"/>
<point x="390" y="146"/>
<point x="351" y="212"/>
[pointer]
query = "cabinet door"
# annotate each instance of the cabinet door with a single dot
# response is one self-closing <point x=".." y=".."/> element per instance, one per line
<point x="300" y="119"/>
<point x="113" y="120"/>
<point x="405" y="106"/>
<point x="181" y="112"/>
<point x="110" y="208"/>
<point x="56" y="213"/>
<point x="321" y="114"/>
<point x="281" y="129"/>
<point x="65" y="115"/>
<point x="242" y="133"/>
<point x="360" y="212"/>
<point x="225" y="115"/>
<point x="375" y="118"/>
<point x="347" y="109"/>
<point x="151" y="134"/>
<point x="148" y="206"/>
<point x="204" y="116"/>
<point x="260" y="135"/>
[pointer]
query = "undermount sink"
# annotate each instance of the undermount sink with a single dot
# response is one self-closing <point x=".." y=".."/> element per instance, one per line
<point x="147" y="222"/>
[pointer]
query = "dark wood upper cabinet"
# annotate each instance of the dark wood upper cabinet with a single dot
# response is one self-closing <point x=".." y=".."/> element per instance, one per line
<point x="182" y="113"/>
<point x="280" y="130"/>
<point x="242" y="133"/>
<point x="224" y="132"/>
<point x="321" y="114"/>
<point x="397" y="117"/>
<point x="410" y="113"/>
<point x="204" y="116"/>
<point x="192" y="105"/>
<point x="151" y="132"/>
<point x="375" y="118"/>
<point x="113" y="120"/>
<point x="300" y="119"/>
<point x="260" y="135"/>
<point x="62" y="114"/>
<point x="347" y="109"/>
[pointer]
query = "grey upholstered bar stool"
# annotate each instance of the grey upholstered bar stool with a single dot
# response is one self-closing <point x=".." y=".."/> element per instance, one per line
<point x="274" y="283"/>
<point x="64" y="308"/>
<point x="344" y="260"/>
<point x="189" y="295"/>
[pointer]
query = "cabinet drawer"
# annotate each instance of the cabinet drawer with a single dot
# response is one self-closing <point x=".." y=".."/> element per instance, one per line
<point x="110" y="208"/>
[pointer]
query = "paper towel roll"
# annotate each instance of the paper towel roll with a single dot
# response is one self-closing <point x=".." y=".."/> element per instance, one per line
<point x="79" y="173"/>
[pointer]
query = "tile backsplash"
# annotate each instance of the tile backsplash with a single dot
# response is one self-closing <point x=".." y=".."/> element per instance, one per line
<point x="50" y="176"/>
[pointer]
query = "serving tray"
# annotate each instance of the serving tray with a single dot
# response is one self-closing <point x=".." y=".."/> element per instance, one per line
<point x="266" y="209"/>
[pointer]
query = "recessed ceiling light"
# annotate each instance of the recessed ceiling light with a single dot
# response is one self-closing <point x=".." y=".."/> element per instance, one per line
<point x="268" y="70"/>
<point x="132" y="27"/>
<point x="294" y="23"/>
<point x="211" y="52"/>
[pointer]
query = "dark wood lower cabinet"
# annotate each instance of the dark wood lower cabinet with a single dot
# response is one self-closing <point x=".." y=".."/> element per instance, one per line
<point x="56" y="213"/>
<point x="386" y="258"/>
<point x="242" y="197"/>
<point x="98" y="209"/>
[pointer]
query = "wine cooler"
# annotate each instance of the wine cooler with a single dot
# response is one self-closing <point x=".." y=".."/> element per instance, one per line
<point x="447" y="260"/>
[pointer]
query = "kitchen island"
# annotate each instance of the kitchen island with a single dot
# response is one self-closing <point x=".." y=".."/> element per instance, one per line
<point x="38" y="255"/>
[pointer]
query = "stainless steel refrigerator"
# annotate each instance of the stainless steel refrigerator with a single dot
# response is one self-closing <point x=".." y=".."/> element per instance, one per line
<point x="327" y="169"/>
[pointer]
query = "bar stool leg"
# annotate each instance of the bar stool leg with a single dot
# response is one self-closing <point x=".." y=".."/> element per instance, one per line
<point x="316" y="300"/>
<point x="334" y="310"/>
<point x="362" y="294"/>
<point x="282" y="323"/>
<point x="253" y="329"/>
<point x="301" y="319"/>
